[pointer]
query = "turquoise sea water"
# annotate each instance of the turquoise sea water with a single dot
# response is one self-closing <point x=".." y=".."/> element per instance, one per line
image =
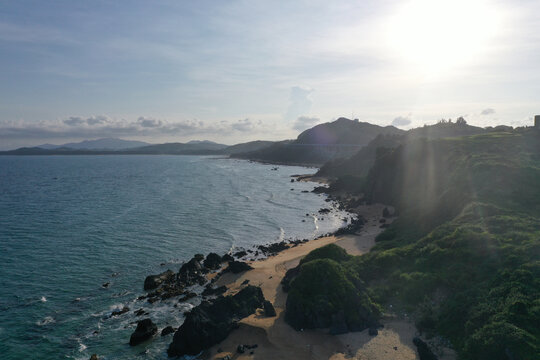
<point x="68" y="224"/>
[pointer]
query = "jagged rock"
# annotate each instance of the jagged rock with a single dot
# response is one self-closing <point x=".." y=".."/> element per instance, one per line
<point x="105" y="285"/>
<point x="94" y="357"/>
<point x="227" y="258"/>
<point x="269" y="309"/>
<point x="124" y="310"/>
<point x="237" y="267"/>
<point x="213" y="261"/>
<point x="240" y="254"/>
<point x="191" y="273"/>
<point x="186" y="297"/>
<point x="145" y="330"/>
<point x="153" y="281"/>
<point x="198" y="257"/>
<point x="212" y="321"/>
<point x="240" y="349"/>
<point x="424" y="352"/>
<point x="167" y="330"/>
<point x="140" y="312"/>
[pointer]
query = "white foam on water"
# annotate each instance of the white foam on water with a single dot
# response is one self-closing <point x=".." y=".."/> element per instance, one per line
<point x="43" y="299"/>
<point x="46" y="320"/>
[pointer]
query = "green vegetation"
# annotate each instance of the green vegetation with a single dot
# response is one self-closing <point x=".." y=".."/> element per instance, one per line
<point x="464" y="256"/>
<point x="327" y="294"/>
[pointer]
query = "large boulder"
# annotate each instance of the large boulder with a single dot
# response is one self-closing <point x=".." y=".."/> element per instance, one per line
<point x="191" y="273"/>
<point x="212" y="321"/>
<point x="213" y="261"/>
<point x="153" y="281"/>
<point x="145" y="330"/>
<point x="237" y="267"/>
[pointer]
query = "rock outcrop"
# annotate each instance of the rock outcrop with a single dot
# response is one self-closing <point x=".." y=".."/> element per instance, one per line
<point x="212" y="321"/>
<point x="153" y="281"/>
<point x="145" y="330"/>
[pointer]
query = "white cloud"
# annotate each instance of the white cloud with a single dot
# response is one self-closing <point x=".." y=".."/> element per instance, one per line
<point x="299" y="102"/>
<point x="401" y="121"/>
<point x="305" y="122"/>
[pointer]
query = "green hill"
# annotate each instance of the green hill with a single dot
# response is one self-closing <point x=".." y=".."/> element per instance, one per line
<point x="464" y="256"/>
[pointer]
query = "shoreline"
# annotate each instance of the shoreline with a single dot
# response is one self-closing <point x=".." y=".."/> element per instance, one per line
<point x="273" y="337"/>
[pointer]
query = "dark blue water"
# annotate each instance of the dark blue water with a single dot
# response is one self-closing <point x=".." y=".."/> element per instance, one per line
<point x="68" y="224"/>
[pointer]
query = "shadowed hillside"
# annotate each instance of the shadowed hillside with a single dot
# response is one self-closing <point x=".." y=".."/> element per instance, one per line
<point x="341" y="138"/>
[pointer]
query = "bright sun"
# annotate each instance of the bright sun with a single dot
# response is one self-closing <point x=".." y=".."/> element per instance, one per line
<point x="440" y="35"/>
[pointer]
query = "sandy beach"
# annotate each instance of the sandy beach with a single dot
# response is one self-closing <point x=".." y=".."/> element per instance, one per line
<point x="277" y="340"/>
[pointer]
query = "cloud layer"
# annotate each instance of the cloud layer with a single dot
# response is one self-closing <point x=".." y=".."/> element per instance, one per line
<point x="105" y="126"/>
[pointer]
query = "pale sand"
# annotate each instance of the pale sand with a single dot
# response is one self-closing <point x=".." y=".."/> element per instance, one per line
<point x="277" y="340"/>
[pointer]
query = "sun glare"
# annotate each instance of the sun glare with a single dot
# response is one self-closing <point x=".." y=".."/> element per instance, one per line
<point x="440" y="35"/>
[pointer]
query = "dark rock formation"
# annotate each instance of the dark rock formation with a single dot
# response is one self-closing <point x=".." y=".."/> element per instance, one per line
<point x="153" y="281"/>
<point x="145" y="330"/>
<point x="269" y="309"/>
<point x="424" y="352"/>
<point x="373" y="331"/>
<point x="227" y="258"/>
<point x="94" y="357"/>
<point x="167" y="330"/>
<point x="198" y="257"/>
<point x="213" y="261"/>
<point x="209" y="290"/>
<point x="240" y="254"/>
<point x="237" y="267"/>
<point x="124" y="310"/>
<point x="273" y="249"/>
<point x="212" y="321"/>
<point x="191" y="273"/>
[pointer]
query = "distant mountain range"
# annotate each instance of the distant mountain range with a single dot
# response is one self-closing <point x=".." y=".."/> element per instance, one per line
<point x="99" y="144"/>
<point x="344" y="146"/>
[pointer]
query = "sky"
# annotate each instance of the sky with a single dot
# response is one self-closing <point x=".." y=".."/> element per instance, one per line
<point x="239" y="70"/>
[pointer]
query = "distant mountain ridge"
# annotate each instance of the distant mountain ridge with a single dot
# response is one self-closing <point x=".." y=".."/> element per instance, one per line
<point x="98" y="144"/>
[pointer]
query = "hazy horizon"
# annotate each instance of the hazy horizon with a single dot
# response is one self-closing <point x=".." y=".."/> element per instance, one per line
<point x="240" y="71"/>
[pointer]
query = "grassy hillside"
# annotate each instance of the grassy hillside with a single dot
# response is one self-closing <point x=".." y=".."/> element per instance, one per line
<point x="464" y="256"/>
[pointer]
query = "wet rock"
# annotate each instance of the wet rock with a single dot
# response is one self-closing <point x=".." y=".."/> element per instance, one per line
<point x="94" y="357"/>
<point x="240" y="349"/>
<point x="212" y="321"/>
<point x="213" y="261"/>
<point x="186" y="297"/>
<point x="145" y="330"/>
<point x="124" y="310"/>
<point x="153" y="281"/>
<point x="191" y="273"/>
<point x="240" y="254"/>
<point x="167" y="330"/>
<point x="140" y="312"/>
<point x="105" y="285"/>
<point x="269" y="310"/>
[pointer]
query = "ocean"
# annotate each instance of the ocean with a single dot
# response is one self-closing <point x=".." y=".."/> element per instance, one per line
<point x="69" y="224"/>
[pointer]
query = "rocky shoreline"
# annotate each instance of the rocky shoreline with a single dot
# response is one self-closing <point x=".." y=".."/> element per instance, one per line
<point x="221" y="309"/>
